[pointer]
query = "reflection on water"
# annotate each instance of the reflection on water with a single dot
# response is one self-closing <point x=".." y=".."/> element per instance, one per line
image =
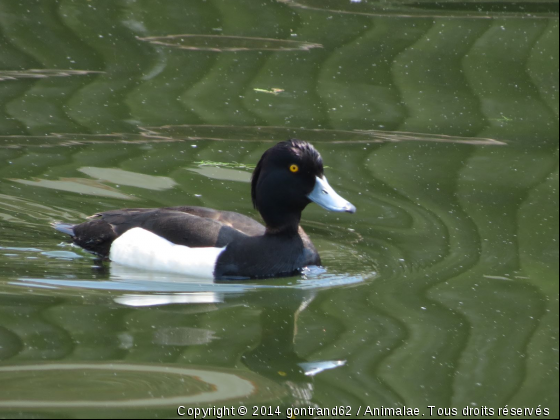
<point x="429" y="8"/>
<point x="167" y="134"/>
<point x="41" y="73"/>
<point x="438" y="120"/>
<point x="169" y="299"/>
<point x="221" y="43"/>
<point x="176" y="332"/>
<point x="236" y="133"/>
<point x="76" y="185"/>
<point x="133" y="179"/>
<point x="190" y="290"/>
<point x="130" y="386"/>
<point x="223" y="173"/>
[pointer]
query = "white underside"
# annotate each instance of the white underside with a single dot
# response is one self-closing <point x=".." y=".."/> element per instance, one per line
<point x="143" y="249"/>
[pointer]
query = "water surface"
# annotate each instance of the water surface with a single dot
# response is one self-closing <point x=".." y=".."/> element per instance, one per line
<point x="438" y="120"/>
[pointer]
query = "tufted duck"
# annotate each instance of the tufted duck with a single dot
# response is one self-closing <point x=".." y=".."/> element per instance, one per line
<point x="203" y="242"/>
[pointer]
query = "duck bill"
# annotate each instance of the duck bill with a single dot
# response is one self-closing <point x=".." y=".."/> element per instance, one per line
<point x="324" y="195"/>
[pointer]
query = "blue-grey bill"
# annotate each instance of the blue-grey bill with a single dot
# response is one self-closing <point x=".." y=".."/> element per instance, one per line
<point x="324" y="195"/>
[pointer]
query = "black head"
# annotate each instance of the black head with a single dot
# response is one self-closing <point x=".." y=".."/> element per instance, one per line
<point x="284" y="181"/>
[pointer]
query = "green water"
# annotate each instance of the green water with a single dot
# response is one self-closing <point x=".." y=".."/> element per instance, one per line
<point x="438" y="120"/>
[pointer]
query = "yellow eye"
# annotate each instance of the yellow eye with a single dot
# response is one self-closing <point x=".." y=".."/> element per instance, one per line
<point x="294" y="168"/>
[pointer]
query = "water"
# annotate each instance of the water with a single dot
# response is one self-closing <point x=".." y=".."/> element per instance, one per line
<point x="439" y="121"/>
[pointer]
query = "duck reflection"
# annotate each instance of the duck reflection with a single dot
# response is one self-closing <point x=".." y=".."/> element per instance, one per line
<point x="270" y="348"/>
<point x="268" y="351"/>
<point x="275" y="356"/>
<point x="216" y="326"/>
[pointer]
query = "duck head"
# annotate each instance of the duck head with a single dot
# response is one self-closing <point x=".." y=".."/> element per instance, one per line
<point x="287" y="178"/>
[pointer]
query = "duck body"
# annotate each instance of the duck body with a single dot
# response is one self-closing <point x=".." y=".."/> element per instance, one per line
<point x="130" y="236"/>
<point x="203" y="242"/>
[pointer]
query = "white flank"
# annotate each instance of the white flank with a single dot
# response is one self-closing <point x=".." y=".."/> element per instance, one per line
<point x="143" y="249"/>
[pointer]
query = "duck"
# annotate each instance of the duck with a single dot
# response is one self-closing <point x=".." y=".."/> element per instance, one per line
<point x="206" y="243"/>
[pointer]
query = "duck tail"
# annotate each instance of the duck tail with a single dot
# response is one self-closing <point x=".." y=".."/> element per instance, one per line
<point x="64" y="228"/>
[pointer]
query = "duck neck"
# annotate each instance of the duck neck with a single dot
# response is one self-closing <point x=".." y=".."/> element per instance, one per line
<point x="282" y="223"/>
